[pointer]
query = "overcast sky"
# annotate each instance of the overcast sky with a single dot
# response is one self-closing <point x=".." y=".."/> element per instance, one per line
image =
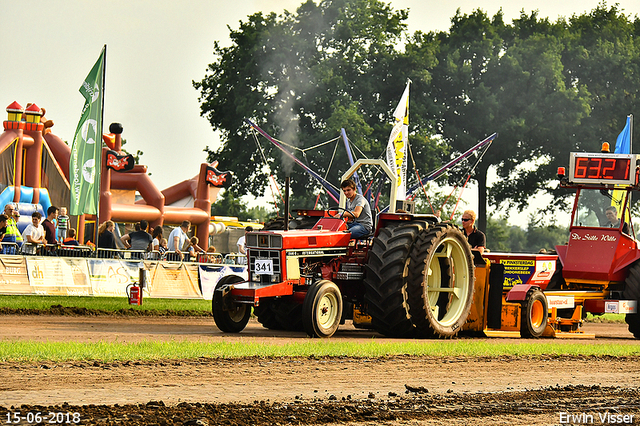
<point x="154" y="51"/>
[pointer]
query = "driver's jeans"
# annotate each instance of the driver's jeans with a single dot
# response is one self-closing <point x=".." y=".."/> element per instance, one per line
<point x="358" y="231"/>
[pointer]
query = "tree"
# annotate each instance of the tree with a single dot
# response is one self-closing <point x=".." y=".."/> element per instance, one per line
<point x="547" y="88"/>
<point x="136" y="156"/>
<point x="304" y="76"/>
<point x="228" y="203"/>
<point x="506" y="79"/>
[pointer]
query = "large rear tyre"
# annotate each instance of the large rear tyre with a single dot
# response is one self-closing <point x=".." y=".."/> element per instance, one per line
<point x="279" y="314"/>
<point x="535" y="313"/>
<point x="632" y="292"/>
<point x="386" y="275"/>
<point x="440" y="283"/>
<point x="289" y="314"/>
<point x="266" y="315"/>
<point x="322" y="309"/>
<point x="230" y="317"/>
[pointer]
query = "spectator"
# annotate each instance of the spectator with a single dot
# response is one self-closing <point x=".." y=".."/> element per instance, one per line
<point x="49" y="227"/>
<point x="157" y="236"/>
<point x="3" y="225"/>
<point x="63" y="224"/>
<point x="178" y="237"/>
<point x="194" y="248"/>
<point x="140" y="239"/>
<point x="3" y="229"/>
<point x="70" y="239"/>
<point x="163" y="245"/>
<point x="242" y="247"/>
<point x="12" y="235"/>
<point x="34" y="232"/>
<point x="106" y="240"/>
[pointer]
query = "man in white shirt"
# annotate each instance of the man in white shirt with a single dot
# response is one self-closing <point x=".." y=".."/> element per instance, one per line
<point x="33" y="234"/>
<point x="178" y="237"/>
<point x="242" y="248"/>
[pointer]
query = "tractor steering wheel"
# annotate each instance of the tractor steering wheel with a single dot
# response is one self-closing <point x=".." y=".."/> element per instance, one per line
<point x="337" y="215"/>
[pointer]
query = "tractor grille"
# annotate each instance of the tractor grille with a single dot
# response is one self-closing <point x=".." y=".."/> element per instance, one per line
<point x="350" y="272"/>
<point x="274" y="256"/>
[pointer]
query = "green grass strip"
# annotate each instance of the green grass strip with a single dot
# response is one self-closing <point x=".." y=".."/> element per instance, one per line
<point x="109" y="304"/>
<point x="149" y="350"/>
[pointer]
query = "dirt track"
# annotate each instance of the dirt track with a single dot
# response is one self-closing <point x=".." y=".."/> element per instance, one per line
<point x="398" y="390"/>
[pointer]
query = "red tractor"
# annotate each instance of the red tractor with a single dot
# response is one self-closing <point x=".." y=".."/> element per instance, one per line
<point x="417" y="276"/>
<point x="414" y="277"/>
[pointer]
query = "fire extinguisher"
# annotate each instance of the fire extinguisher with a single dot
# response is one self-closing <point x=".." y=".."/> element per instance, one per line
<point x="135" y="294"/>
<point x="134" y="290"/>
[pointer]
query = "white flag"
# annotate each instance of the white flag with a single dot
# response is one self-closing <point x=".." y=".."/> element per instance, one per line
<point x="398" y="141"/>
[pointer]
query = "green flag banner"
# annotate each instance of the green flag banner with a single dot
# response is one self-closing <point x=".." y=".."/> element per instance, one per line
<point x="84" y="165"/>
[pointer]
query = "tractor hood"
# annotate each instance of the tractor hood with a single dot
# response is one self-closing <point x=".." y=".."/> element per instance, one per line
<point x="297" y="239"/>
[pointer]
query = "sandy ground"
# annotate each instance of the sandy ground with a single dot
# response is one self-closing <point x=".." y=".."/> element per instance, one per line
<point x="520" y="390"/>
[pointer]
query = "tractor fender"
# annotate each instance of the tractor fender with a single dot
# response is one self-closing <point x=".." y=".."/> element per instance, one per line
<point x="519" y="292"/>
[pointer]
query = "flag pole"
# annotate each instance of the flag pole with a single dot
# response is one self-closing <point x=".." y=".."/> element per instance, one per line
<point x="630" y="133"/>
<point x="99" y="137"/>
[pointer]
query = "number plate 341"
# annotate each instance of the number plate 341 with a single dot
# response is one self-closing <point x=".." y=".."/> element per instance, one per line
<point x="264" y="266"/>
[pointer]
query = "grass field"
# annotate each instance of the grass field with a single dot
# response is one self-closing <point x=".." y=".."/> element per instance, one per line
<point x="108" y="304"/>
<point x="191" y="307"/>
<point x="103" y="351"/>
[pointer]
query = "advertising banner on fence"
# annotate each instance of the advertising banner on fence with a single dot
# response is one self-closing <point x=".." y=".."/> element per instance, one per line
<point x="13" y="276"/>
<point x="110" y="277"/>
<point x="211" y="274"/>
<point x="55" y="276"/>
<point x="174" y="280"/>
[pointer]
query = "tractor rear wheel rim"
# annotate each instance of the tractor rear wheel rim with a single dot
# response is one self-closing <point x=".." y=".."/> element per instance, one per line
<point x="458" y="286"/>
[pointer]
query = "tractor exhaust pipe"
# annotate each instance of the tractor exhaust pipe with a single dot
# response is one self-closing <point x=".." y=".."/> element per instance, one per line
<point x="287" y="182"/>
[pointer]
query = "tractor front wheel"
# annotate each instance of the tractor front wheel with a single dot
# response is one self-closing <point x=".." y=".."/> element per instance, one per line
<point x="230" y="317"/>
<point x="535" y="313"/>
<point x="322" y="309"/>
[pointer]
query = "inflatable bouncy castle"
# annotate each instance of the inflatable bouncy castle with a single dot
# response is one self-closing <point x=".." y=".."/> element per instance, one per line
<point x="34" y="174"/>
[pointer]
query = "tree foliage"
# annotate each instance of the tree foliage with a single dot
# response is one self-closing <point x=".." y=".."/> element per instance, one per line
<point x="302" y="77"/>
<point x="502" y="237"/>
<point x="547" y="88"/>
<point x="229" y="203"/>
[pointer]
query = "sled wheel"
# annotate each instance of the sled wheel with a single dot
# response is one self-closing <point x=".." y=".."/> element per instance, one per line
<point x="322" y="309"/>
<point x="232" y="320"/>
<point x="534" y="314"/>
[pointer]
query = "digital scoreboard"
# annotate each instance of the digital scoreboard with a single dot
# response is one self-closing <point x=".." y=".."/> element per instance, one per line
<point x="603" y="168"/>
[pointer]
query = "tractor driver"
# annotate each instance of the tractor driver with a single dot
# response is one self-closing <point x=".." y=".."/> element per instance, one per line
<point x="357" y="211"/>
<point x="613" y="221"/>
